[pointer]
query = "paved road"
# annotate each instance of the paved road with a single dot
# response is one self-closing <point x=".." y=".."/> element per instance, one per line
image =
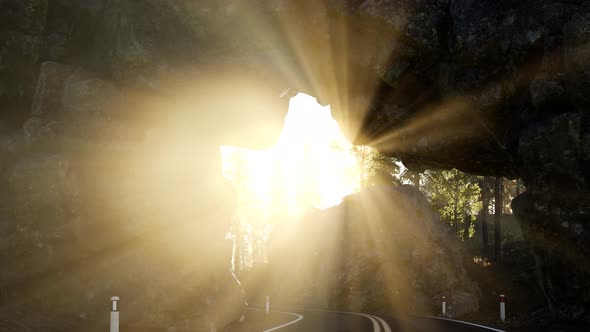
<point x="327" y="321"/>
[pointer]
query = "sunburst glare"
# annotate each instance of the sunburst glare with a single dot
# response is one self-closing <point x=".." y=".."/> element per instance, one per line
<point x="311" y="165"/>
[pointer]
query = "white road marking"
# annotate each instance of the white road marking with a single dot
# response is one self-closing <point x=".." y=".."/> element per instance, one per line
<point x="299" y="317"/>
<point x="460" y="321"/>
<point x="386" y="327"/>
<point x="376" y="327"/>
<point x="374" y="319"/>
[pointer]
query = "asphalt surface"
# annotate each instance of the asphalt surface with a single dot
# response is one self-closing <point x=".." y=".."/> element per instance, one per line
<point x="328" y="321"/>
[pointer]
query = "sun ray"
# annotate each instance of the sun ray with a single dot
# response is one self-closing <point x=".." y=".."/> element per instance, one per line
<point x="311" y="163"/>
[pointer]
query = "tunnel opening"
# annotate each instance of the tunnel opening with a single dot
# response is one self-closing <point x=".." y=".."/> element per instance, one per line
<point x="311" y="166"/>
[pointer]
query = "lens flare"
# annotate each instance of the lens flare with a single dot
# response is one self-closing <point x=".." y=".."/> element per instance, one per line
<point x="310" y="166"/>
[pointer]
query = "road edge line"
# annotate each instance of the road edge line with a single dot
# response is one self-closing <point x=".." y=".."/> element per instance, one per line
<point x="463" y="322"/>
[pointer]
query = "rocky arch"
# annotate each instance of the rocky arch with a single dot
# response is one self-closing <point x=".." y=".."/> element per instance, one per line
<point x="489" y="87"/>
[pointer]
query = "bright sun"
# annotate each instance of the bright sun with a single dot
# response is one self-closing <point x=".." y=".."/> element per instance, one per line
<point x="310" y="166"/>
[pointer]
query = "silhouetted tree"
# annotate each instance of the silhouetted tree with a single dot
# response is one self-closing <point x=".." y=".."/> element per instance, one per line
<point x="485" y="201"/>
<point x="412" y="177"/>
<point x="498" y="208"/>
<point x="511" y="189"/>
<point x="249" y="206"/>
<point x="375" y="168"/>
<point x="238" y="174"/>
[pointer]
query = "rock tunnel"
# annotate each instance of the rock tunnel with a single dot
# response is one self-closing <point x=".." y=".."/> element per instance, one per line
<point x="488" y="87"/>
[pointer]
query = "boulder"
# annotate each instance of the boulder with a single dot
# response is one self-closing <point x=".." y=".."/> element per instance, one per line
<point x="383" y="250"/>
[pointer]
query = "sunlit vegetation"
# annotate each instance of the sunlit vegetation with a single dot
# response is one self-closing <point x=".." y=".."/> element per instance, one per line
<point x="117" y="113"/>
<point x="484" y="262"/>
<point x="375" y="168"/>
<point x="455" y="195"/>
<point x="313" y="166"/>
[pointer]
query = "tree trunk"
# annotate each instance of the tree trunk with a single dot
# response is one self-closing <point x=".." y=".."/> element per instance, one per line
<point x="485" y="200"/>
<point x="455" y="221"/>
<point x="238" y="251"/>
<point x="497" y="215"/>
<point x="466" y="226"/>
<point x="254" y="249"/>
<point x="416" y="180"/>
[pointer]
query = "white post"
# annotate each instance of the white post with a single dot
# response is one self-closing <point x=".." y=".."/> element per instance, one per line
<point x="444" y="307"/>
<point x="114" y="314"/>
<point x="213" y="327"/>
<point x="267" y="304"/>
<point x="502" y="308"/>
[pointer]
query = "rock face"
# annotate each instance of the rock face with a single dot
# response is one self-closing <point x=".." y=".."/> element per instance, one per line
<point x="381" y="250"/>
<point x="94" y="206"/>
<point x="489" y="87"/>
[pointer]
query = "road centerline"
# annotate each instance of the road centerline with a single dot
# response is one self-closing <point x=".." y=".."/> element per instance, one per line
<point x="374" y="319"/>
<point x="386" y="327"/>
<point x="299" y="317"/>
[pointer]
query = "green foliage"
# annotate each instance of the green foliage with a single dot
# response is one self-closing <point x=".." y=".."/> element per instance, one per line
<point x="375" y="168"/>
<point x="456" y="197"/>
<point x="510" y="189"/>
<point x="408" y="176"/>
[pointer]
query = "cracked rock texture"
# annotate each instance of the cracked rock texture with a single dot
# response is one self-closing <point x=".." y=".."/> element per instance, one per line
<point x="89" y="89"/>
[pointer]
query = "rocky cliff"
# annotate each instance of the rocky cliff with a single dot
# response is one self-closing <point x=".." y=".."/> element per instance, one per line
<point x="381" y="250"/>
<point x="489" y="87"/>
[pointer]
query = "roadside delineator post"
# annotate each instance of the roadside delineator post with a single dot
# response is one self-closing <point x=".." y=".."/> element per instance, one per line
<point x="444" y="306"/>
<point x="502" y="308"/>
<point x="267" y="304"/>
<point x="114" y="314"/>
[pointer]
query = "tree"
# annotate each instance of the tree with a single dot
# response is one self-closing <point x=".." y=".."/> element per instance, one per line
<point x="498" y="188"/>
<point x="238" y="173"/>
<point x="256" y="237"/>
<point x="411" y="176"/>
<point x="485" y="201"/>
<point x="510" y="190"/>
<point x="455" y="195"/>
<point x="375" y="168"/>
<point x="249" y="212"/>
